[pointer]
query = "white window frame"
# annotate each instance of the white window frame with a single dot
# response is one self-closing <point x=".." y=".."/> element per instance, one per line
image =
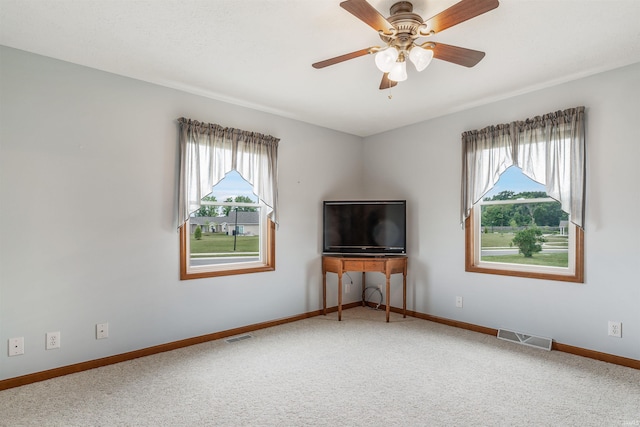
<point x="475" y="265"/>
<point x="570" y="270"/>
<point x="266" y="257"/>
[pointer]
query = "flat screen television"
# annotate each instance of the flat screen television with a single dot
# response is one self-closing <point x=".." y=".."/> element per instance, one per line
<point x="366" y="227"/>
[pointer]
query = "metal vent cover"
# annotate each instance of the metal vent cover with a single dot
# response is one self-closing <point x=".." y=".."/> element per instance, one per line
<point x="525" y="339"/>
<point x="239" y="338"/>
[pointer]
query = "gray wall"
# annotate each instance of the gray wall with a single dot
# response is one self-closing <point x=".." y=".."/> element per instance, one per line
<point x="422" y="163"/>
<point x="88" y="177"/>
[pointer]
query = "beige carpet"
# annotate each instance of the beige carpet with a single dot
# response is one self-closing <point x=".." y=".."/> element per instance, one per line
<point x="358" y="372"/>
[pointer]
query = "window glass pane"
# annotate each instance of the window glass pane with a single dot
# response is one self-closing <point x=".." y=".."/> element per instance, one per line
<point x="518" y="226"/>
<point x="228" y="233"/>
<point x="508" y="234"/>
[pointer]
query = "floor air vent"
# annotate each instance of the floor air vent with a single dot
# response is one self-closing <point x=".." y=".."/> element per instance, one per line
<point x="239" y="338"/>
<point x="530" y="340"/>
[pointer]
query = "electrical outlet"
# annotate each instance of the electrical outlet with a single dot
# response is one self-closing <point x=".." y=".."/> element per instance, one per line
<point x="53" y="340"/>
<point x="615" y="329"/>
<point x="347" y="288"/>
<point x="102" y="331"/>
<point x="16" y="346"/>
<point x="459" y="302"/>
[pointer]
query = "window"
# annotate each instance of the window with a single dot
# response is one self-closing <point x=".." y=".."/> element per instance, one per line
<point x="519" y="230"/>
<point x="534" y="232"/>
<point x="227" y="200"/>
<point x="234" y="232"/>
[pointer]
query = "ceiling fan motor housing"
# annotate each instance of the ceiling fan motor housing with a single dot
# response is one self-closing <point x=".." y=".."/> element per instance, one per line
<point x="401" y="7"/>
<point x="406" y="24"/>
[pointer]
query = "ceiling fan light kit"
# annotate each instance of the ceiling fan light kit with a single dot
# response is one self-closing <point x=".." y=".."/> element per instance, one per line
<point x="420" y="57"/>
<point x="398" y="72"/>
<point x="385" y="59"/>
<point x="400" y="32"/>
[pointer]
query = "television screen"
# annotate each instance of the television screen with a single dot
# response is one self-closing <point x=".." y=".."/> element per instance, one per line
<point x="364" y="227"/>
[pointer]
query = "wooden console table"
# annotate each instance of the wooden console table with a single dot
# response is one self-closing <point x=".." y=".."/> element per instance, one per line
<point x="387" y="265"/>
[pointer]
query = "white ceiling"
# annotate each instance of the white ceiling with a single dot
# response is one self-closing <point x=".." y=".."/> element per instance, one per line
<point x="258" y="53"/>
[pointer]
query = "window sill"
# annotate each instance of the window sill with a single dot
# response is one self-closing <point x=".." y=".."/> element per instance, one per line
<point x="471" y="266"/>
<point x="232" y="269"/>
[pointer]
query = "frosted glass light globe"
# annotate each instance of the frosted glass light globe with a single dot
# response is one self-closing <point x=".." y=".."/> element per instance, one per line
<point x="385" y="59"/>
<point x="398" y="72"/>
<point x="420" y="57"/>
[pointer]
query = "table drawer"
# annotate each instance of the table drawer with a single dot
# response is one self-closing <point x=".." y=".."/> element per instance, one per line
<point x="369" y="265"/>
<point x="374" y="266"/>
<point x="353" y="265"/>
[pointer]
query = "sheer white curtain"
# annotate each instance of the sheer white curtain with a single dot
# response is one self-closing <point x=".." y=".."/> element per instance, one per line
<point x="549" y="149"/>
<point x="209" y="151"/>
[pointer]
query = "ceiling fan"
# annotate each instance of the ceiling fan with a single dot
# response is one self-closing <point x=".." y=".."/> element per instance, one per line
<point x="400" y="33"/>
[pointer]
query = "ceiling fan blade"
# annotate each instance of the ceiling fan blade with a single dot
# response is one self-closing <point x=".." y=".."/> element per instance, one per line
<point x="385" y="83"/>
<point x="457" y="55"/>
<point x="459" y="12"/>
<point x="367" y="14"/>
<point x="342" y="58"/>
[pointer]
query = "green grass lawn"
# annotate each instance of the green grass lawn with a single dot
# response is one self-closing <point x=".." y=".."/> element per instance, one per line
<point x="221" y="243"/>
<point x="497" y="240"/>
<point x="504" y="240"/>
<point x="557" y="241"/>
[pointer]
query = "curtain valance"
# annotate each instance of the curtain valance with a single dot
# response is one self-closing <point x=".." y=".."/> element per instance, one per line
<point x="550" y="149"/>
<point x="209" y="151"/>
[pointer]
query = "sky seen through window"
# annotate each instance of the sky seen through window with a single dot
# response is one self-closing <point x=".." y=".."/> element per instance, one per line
<point x="233" y="185"/>
<point x="514" y="180"/>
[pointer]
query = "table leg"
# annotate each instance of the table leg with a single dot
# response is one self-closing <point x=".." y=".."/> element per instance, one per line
<point x="404" y="293"/>
<point x="324" y="292"/>
<point x="339" y="296"/>
<point x="387" y="297"/>
<point x="363" y="287"/>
